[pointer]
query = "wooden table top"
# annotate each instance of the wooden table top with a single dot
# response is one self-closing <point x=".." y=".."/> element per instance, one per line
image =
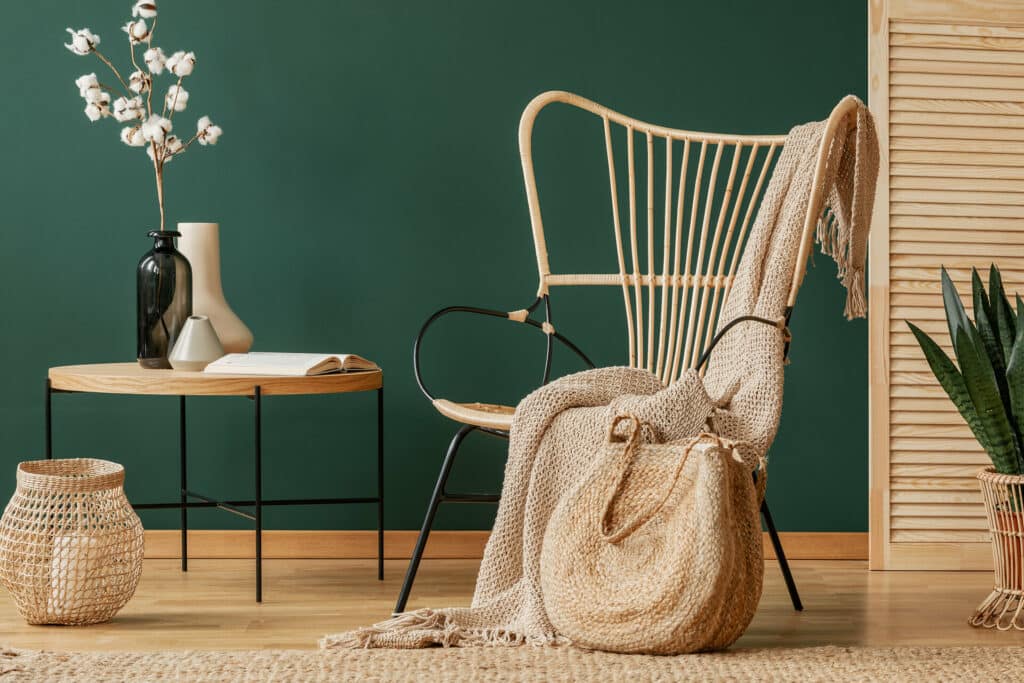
<point x="130" y="378"/>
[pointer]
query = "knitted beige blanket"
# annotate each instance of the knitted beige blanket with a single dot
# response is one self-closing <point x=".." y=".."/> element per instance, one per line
<point x="559" y="428"/>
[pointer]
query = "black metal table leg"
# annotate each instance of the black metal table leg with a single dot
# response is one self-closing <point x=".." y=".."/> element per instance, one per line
<point x="258" y="457"/>
<point x="380" y="484"/>
<point x="183" y="447"/>
<point x="49" y="420"/>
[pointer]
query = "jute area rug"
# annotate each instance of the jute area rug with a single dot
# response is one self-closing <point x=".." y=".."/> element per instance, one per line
<point x="918" y="664"/>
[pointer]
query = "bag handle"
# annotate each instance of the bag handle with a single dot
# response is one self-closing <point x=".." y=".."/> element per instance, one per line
<point x="632" y="445"/>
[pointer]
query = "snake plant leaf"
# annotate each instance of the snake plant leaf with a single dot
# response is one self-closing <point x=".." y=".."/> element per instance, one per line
<point x="989" y="334"/>
<point x="1015" y="378"/>
<point x="1001" y="314"/>
<point x="981" y="384"/>
<point x="978" y="294"/>
<point x="956" y="316"/>
<point x="952" y="382"/>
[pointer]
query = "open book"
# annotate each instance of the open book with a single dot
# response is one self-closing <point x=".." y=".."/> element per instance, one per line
<point x="293" y="364"/>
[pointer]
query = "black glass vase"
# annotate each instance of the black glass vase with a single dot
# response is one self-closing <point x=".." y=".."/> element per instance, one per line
<point x="164" y="290"/>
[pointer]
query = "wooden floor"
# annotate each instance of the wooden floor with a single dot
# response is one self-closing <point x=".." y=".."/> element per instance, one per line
<point x="212" y="606"/>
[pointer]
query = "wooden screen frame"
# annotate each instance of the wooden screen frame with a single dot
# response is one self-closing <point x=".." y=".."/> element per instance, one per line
<point x="995" y="16"/>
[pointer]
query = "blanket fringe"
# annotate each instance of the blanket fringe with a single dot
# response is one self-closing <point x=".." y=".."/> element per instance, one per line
<point x="427" y="627"/>
<point x="856" y="297"/>
<point x="835" y="242"/>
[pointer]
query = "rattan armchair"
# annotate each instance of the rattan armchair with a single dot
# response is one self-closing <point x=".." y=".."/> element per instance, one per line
<point x="671" y="316"/>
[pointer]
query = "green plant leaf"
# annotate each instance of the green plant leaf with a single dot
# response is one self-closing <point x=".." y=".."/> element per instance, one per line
<point x="956" y="316"/>
<point x="1000" y="312"/>
<point x="980" y="297"/>
<point x="992" y="412"/>
<point x="952" y="382"/>
<point x="990" y="337"/>
<point x="1015" y="379"/>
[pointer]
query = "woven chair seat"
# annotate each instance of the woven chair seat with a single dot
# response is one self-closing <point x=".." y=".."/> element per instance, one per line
<point x="477" y="414"/>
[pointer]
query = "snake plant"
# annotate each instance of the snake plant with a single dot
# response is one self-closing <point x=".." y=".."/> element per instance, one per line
<point x="988" y="386"/>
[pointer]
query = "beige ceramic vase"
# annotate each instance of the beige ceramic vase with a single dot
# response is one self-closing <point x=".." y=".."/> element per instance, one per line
<point x="200" y="243"/>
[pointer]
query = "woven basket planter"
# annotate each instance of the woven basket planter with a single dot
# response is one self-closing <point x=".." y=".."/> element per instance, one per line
<point x="70" y="543"/>
<point x="1003" y="609"/>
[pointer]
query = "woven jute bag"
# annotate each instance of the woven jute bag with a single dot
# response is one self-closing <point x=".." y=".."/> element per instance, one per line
<point x="71" y="545"/>
<point x="658" y="549"/>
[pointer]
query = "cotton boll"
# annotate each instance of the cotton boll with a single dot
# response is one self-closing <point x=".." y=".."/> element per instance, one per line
<point x="128" y="109"/>
<point x="97" y="96"/>
<point x="155" y="60"/>
<point x="145" y="9"/>
<point x="206" y="132"/>
<point x="137" y="31"/>
<point x="83" y="41"/>
<point x="182" y="63"/>
<point x="97" y="104"/>
<point x="132" y="136"/>
<point x="85" y="83"/>
<point x="156" y="128"/>
<point x="139" y="82"/>
<point x="98" y="109"/>
<point x="212" y="135"/>
<point x="173" y="146"/>
<point x="121" y="109"/>
<point x="177" y="98"/>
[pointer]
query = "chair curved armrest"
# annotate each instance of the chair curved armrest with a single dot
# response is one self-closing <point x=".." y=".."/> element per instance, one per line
<point x="781" y="323"/>
<point x="495" y="313"/>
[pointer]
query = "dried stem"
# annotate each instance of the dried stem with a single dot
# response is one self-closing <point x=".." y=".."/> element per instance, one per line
<point x="158" y="161"/>
<point x="107" y="86"/>
<point x="112" y="68"/>
<point x="158" y="169"/>
<point x="149" y="98"/>
<point x="189" y="143"/>
<point x="131" y="47"/>
<point x="149" y="93"/>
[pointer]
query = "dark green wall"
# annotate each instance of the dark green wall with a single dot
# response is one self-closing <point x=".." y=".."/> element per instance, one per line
<point x="369" y="174"/>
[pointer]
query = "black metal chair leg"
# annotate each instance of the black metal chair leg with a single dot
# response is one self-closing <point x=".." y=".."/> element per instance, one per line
<point x="428" y="521"/>
<point x="780" y="554"/>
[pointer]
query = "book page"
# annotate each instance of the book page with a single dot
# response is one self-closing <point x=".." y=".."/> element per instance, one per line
<point x="289" y="364"/>
<point x="266" y="363"/>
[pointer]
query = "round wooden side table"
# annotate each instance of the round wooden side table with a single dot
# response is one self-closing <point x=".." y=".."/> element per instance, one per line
<point x="130" y="379"/>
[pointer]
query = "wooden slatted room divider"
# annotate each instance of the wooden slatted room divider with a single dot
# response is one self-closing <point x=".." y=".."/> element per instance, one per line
<point x="946" y="85"/>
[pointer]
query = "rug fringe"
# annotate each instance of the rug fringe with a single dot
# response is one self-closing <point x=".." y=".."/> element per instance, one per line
<point x="427" y="628"/>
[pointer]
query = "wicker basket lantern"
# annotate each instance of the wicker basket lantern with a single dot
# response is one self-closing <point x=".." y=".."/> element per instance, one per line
<point x="70" y="543"/>
<point x="1003" y="609"/>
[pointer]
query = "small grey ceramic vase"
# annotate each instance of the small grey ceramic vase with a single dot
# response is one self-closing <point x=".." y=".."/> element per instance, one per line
<point x="197" y="345"/>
